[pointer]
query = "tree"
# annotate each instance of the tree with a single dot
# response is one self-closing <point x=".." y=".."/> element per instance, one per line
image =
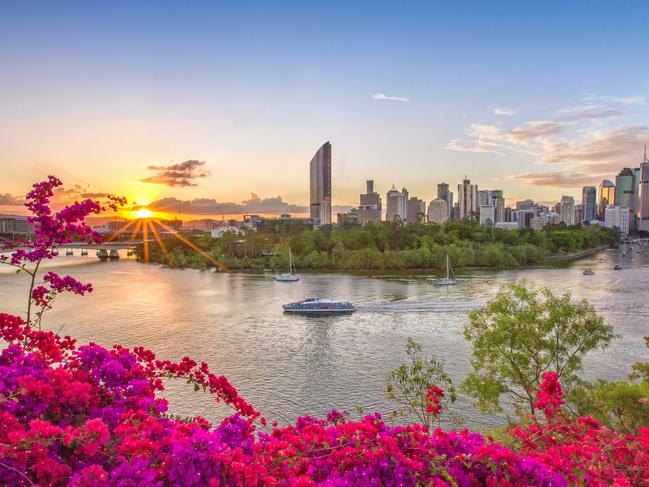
<point x="421" y="386"/>
<point x="621" y="405"/>
<point x="524" y="332"/>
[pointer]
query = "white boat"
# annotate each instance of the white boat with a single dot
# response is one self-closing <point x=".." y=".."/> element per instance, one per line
<point x="588" y="272"/>
<point x="317" y="306"/>
<point x="291" y="275"/>
<point x="448" y="280"/>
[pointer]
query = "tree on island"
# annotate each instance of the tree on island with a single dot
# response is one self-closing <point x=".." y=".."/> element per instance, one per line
<point x="523" y="333"/>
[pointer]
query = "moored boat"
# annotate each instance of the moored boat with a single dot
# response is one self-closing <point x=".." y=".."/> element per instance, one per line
<point x="448" y="280"/>
<point x="291" y="275"/>
<point x="315" y="306"/>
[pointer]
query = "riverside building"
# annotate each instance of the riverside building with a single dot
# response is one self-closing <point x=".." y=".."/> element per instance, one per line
<point x="320" y="171"/>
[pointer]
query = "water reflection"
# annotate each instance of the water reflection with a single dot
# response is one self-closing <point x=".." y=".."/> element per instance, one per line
<point x="294" y="365"/>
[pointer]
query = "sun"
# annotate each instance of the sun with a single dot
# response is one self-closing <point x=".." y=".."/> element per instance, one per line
<point x="143" y="213"/>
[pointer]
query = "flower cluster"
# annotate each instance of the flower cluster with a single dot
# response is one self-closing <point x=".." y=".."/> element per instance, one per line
<point x="52" y="229"/>
<point x="434" y="396"/>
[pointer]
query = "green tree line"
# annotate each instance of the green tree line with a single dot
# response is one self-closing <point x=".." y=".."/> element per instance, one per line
<point x="383" y="246"/>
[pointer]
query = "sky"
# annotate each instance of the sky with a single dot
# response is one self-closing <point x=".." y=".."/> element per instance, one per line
<point x="206" y="106"/>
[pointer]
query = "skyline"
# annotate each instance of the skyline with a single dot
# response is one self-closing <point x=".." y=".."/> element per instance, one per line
<point x="234" y="101"/>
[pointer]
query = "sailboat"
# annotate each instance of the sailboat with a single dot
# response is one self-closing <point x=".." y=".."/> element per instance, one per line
<point x="289" y="276"/>
<point x="448" y="280"/>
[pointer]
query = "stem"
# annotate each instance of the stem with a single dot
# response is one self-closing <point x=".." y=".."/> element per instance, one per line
<point x="29" y="296"/>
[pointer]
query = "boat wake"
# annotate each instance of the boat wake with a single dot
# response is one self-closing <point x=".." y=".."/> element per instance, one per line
<point x="419" y="307"/>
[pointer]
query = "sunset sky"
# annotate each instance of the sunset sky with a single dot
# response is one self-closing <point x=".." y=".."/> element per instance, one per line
<point x="217" y="100"/>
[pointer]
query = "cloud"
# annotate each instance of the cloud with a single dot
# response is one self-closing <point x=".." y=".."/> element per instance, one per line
<point x="622" y="100"/>
<point x="505" y="111"/>
<point x="11" y="200"/>
<point x="384" y="97"/>
<point x="177" y="175"/>
<point x="559" y="179"/>
<point x="207" y="206"/>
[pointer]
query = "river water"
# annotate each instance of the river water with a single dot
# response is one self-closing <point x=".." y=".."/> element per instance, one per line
<point x="288" y="366"/>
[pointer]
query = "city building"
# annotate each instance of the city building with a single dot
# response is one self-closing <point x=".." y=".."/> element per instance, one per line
<point x="643" y="200"/>
<point x="567" y="210"/>
<point x="507" y="225"/>
<point x="625" y="187"/>
<point x="370" y="205"/>
<point x="538" y="222"/>
<point x="618" y="217"/>
<point x="525" y="204"/>
<point x="320" y="169"/>
<point x="589" y="203"/>
<point x="498" y="202"/>
<point x="606" y="197"/>
<point x="579" y="213"/>
<point x="396" y="203"/>
<point x="350" y="219"/>
<point x="467" y="195"/>
<point x="438" y="211"/>
<point x="16" y="225"/>
<point x="487" y="215"/>
<point x="416" y="210"/>
<point x="444" y="194"/>
<point x="484" y="197"/>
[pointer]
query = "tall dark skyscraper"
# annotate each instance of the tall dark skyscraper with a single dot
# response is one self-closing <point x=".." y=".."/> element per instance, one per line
<point x="589" y="203"/>
<point x="321" y="185"/>
<point x="625" y="189"/>
<point x="444" y="194"/>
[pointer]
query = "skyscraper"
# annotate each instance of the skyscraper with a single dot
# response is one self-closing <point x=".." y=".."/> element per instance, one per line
<point x="321" y="185"/>
<point x="370" y="205"/>
<point x="625" y="188"/>
<point x="567" y="210"/>
<point x="467" y="196"/>
<point x="416" y="210"/>
<point x="643" y="202"/>
<point x="498" y="201"/>
<point x="589" y="203"/>
<point x="606" y="197"/>
<point x="397" y="204"/>
<point x="444" y="194"/>
<point x="438" y="211"/>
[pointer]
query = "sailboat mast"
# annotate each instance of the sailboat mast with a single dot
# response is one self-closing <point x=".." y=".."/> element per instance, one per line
<point x="447" y="272"/>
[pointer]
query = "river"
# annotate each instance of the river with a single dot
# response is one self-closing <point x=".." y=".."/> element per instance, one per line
<point x="288" y="366"/>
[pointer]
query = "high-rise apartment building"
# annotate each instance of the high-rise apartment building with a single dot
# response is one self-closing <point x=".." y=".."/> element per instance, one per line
<point x="370" y="205"/>
<point x="589" y="203"/>
<point x="321" y="185"/>
<point x="567" y="210"/>
<point x="396" y="204"/>
<point x="618" y="217"/>
<point x="467" y="198"/>
<point x="606" y="197"/>
<point x="643" y="200"/>
<point x="438" y="211"/>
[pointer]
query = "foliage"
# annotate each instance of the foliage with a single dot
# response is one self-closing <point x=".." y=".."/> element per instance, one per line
<point x="386" y="246"/>
<point x="522" y="333"/>
<point x="621" y="405"/>
<point x="415" y="387"/>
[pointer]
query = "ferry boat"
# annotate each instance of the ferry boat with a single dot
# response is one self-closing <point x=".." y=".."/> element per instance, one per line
<point x="317" y="306"/>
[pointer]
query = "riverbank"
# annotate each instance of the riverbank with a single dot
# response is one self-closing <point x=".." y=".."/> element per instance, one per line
<point x="576" y="255"/>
